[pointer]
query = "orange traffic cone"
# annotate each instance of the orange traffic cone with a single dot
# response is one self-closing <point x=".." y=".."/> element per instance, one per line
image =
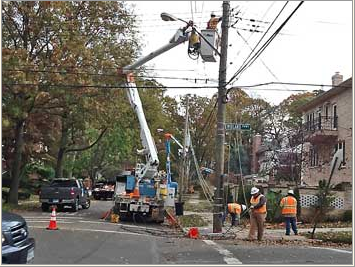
<point x="193" y="233"/>
<point x="53" y="222"/>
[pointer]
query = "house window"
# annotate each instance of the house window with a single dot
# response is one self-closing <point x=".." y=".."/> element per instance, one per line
<point x="326" y="112"/>
<point x="335" y="117"/>
<point x="313" y="156"/>
<point x="319" y="121"/>
<point x="340" y="145"/>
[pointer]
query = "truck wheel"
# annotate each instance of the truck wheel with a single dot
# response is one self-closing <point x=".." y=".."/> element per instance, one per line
<point x="75" y="206"/>
<point x="45" y="207"/>
<point x="87" y="204"/>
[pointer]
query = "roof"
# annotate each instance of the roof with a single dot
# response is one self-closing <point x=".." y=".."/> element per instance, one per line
<point x="346" y="85"/>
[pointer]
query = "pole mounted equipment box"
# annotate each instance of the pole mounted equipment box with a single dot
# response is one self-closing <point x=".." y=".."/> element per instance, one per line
<point x="209" y="40"/>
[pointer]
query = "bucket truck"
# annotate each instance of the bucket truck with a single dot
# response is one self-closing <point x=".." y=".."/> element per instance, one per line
<point x="144" y="193"/>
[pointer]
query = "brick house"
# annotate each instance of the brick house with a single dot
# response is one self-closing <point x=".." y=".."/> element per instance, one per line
<point x="327" y="127"/>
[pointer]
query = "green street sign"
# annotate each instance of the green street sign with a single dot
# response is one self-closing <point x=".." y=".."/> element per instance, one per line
<point x="236" y="127"/>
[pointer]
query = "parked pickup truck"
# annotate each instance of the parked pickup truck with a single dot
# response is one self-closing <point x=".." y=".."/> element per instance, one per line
<point x="64" y="192"/>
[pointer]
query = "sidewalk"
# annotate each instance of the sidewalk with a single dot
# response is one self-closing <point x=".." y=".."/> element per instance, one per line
<point x="241" y="232"/>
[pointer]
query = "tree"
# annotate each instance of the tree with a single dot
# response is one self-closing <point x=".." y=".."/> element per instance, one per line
<point x="55" y="55"/>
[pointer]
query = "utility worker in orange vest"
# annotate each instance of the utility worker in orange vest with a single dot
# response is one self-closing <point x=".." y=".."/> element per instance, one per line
<point x="213" y="22"/>
<point x="235" y="209"/>
<point x="288" y="206"/>
<point x="257" y="214"/>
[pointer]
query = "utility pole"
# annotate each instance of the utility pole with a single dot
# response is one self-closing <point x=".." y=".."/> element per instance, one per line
<point x="221" y="110"/>
<point x="186" y="130"/>
<point x="183" y="172"/>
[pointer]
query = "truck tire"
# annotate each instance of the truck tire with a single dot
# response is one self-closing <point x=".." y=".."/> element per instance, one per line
<point x="87" y="204"/>
<point x="75" y="206"/>
<point x="45" y="207"/>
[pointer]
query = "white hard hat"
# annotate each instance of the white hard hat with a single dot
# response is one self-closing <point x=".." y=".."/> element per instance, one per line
<point x="213" y="14"/>
<point x="254" y="190"/>
<point x="290" y="192"/>
<point x="244" y="207"/>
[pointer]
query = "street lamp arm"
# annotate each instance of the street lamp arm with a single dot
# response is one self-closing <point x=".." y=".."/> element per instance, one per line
<point x="168" y="17"/>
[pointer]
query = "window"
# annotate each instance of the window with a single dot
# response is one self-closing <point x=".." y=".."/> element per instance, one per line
<point x="335" y="117"/>
<point x="340" y="145"/>
<point x="313" y="156"/>
<point x="326" y="112"/>
<point x="64" y="183"/>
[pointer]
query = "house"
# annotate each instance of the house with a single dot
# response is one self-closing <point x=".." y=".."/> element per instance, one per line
<point x="271" y="163"/>
<point x="327" y="127"/>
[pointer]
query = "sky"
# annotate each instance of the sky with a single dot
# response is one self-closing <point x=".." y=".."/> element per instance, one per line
<point x="314" y="44"/>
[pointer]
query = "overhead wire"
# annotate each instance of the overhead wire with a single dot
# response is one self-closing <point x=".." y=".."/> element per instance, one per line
<point x="266" y="44"/>
<point x="251" y="53"/>
<point x="269" y="70"/>
<point x="107" y="86"/>
<point x="262" y="18"/>
<point x="112" y="75"/>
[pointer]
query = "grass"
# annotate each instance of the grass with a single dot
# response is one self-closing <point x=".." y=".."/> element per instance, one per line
<point x="30" y="204"/>
<point x="344" y="237"/>
<point x="192" y="220"/>
<point x="198" y="207"/>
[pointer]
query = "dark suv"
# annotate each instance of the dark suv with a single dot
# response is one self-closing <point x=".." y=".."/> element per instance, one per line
<point x="17" y="247"/>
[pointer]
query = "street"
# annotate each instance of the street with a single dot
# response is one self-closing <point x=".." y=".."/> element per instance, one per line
<point x="83" y="238"/>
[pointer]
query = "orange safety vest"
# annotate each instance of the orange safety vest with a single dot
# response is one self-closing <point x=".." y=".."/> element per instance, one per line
<point x="234" y="208"/>
<point x="212" y="23"/>
<point x="288" y="205"/>
<point x="255" y="201"/>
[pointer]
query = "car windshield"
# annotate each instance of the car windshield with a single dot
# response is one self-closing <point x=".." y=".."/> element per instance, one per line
<point x="64" y="183"/>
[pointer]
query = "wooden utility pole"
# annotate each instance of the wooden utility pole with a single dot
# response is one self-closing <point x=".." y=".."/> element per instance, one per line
<point x="221" y="110"/>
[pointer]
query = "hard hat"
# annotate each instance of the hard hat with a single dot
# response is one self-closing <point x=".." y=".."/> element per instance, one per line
<point x="290" y="192"/>
<point x="254" y="190"/>
<point x="213" y="14"/>
<point x="244" y="207"/>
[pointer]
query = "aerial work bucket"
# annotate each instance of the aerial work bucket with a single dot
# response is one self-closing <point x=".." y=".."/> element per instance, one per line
<point x="210" y="37"/>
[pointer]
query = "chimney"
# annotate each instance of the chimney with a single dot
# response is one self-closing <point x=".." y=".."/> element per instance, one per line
<point x="337" y="79"/>
<point x="254" y="158"/>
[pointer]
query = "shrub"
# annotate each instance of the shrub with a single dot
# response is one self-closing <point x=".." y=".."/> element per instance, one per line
<point x="348" y="216"/>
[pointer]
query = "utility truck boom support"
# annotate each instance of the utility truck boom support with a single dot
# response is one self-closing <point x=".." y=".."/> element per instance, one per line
<point x="145" y="193"/>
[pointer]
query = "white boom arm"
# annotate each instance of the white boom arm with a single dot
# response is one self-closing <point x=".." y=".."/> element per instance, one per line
<point x="150" y="168"/>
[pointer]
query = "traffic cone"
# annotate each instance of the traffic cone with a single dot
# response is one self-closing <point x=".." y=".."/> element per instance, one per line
<point x="53" y="222"/>
<point x="193" y="233"/>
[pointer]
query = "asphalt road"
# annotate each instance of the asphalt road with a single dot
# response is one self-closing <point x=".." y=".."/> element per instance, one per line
<point x="83" y="238"/>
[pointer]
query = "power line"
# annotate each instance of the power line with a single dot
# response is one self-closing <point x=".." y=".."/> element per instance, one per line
<point x="250" y="54"/>
<point x="113" y="75"/>
<point x="294" y="83"/>
<point x="262" y="18"/>
<point x="107" y="68"/>
<point x="108" y="87"/>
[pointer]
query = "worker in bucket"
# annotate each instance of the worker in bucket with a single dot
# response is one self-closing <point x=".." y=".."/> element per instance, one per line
<point x="194" y="42"/>
<point x="288" y="206"/>
<point x="235" y="209"/>
<point x="257" y="214"/>
<point x="213" y="22"/>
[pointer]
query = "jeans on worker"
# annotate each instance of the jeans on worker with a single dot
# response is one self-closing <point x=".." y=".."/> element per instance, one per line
<point x="233" y="215"/>
<point x="292" y="221"/>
